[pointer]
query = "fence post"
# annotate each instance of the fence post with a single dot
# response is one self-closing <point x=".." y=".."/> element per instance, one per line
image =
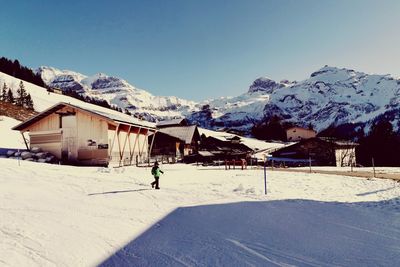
<point x="373" y="165"/>
<point x="265" y="177"/>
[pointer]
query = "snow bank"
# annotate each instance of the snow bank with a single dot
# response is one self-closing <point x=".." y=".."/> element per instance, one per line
<point x="8" y="137"/>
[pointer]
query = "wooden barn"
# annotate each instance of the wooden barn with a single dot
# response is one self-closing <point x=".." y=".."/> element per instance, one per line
<point x="322" y="151"/>
<point x="86" y="134"/>
<point x="175" y="141"/>
<point x="229" y="148"/>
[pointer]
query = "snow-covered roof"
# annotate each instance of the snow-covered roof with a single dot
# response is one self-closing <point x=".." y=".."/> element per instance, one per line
<point x="252" y="143"/>
<point x="184" y="133"/>
<point x="100" y="111"/>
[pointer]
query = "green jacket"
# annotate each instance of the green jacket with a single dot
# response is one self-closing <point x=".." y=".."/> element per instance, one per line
<point x="156" y="171"/>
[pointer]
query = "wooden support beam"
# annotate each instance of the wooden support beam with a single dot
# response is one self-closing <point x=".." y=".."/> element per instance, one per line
<point x="130" y="148"/>
<point x="26" y="143"/>
<point x="134" y="145"/>
<point x="119" y="148"/>
<point x="126" y="138"/>
<point x="151" y="145"/>
<point x="113" y="141"/>
<point x="145" y="140"/>
<point x="139" y="145"/>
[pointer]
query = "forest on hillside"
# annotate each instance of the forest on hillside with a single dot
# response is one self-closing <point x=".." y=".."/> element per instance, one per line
<point x="15" y="69"/>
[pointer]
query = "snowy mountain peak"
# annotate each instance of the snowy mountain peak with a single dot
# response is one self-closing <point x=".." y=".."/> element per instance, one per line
<point x="331" y="96"/>
<point x="264" y="84"/>
<point x="117" y="92"/>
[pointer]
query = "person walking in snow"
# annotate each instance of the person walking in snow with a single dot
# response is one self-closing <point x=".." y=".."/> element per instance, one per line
<point x="156" y="172"/>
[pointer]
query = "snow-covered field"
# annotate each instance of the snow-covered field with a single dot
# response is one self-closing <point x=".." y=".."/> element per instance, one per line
<point x="391" y="170"/>
<point x="8" y="137"/>
<point x="55" y="215"/>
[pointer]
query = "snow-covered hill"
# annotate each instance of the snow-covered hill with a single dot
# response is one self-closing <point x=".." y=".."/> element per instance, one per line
<point x="10" y="138"/>
<point x="43" y="100"/>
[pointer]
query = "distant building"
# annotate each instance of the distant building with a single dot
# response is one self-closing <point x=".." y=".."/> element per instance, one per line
<point x="294" y="134"/>
<point x="322" y="152"/>
<point x="55" y="90"/>
<point x="176" y="141"/>
<point x="227" y="148"/>
<point x="86" y="134"/>
<point x="172" y="123"/>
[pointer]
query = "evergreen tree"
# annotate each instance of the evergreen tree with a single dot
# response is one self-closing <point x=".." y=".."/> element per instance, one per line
<point x="270" y="130"/>
<point x="28" y="102"/>
<point x="382" y="144"/>
<point x="10" y="96"/>
<point x="4" y="93"/>
<point x="21" y="94"/>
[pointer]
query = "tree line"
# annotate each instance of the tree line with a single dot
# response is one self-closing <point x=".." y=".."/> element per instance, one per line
<point x="21" y="99"/>
<point x="15" y="69"/>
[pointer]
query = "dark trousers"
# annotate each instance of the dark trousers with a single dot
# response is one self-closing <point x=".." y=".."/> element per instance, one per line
<point x="155" y="182"/>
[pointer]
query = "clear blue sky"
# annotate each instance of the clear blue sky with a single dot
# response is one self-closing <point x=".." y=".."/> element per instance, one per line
<point x="202" y="49"/>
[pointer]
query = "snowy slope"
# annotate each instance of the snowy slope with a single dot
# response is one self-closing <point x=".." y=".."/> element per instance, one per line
<point x="54" y="215"/>
<point x="43" y="100"/>
<point x="8" y="137"/>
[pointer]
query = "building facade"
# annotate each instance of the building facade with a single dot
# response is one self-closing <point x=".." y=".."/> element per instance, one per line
<point x="88" y="135"/>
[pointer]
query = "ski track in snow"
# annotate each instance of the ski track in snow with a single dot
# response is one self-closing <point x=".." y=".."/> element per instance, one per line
<point x="255" y="253"/>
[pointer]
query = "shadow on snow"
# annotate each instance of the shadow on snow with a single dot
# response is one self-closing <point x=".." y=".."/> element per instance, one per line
<point x="118" y="192"/>
<point x="269" y="233"/>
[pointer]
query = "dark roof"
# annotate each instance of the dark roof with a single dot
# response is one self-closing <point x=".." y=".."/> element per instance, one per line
<point x="339" y="142"/>
<point x="184" y="133"/>
<point x="298" y="127"/>
<point x="107" y="114"/>
<point x="174" y="122"/>
<point x="323" y="141"/>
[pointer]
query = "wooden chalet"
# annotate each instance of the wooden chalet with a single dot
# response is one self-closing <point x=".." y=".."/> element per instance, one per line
<point x="86" y="134"/>
<point x="228" y="148"/>
<point x="321" y="151"/>
<point x="175" y="141"/>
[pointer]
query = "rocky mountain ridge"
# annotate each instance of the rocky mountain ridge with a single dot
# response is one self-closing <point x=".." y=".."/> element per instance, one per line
<point x="329" y="97"/>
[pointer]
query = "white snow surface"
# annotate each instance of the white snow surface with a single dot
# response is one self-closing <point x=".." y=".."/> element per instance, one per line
<point x="54" y="215"/>
<point x="8" y="137"/>
<point x="254" y="144"/>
